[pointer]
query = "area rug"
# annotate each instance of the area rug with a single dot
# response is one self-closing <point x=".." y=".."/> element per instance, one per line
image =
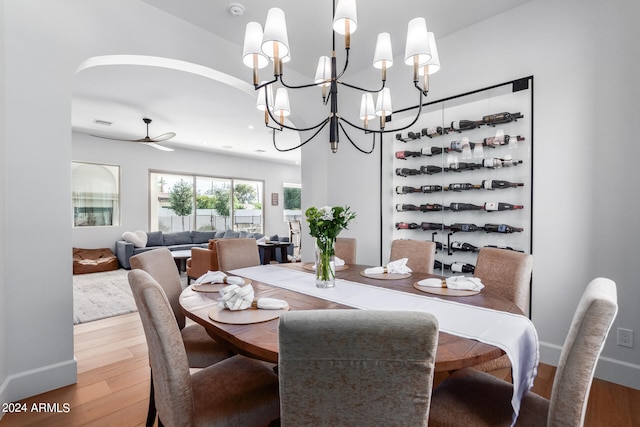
<point x="101" y="295"/>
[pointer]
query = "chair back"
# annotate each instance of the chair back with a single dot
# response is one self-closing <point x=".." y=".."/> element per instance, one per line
<point x="162" y="267"/>
<point x="506" y="272"/>
<point x="345" y="249"/>
<point x="237" y="253"/>
<point x="420" y="254"/>
<point x="589" y="329"/>
<point x="167" y="356"/>
<point x="356" y="367"/>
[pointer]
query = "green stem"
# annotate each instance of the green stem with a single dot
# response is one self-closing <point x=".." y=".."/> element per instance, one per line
<point x="324" y="271"/>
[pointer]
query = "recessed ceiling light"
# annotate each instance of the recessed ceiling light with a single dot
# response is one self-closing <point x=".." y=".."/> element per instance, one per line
<point x="227" y="147"/>
<point x="236" y="9"/>
<point x="102" y="122"/>
<point x="250" y="127"/>
<point x="260" y="151"/>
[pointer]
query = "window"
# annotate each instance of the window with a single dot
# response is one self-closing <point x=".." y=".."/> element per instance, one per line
<point x="292" y="202"/>
<point x="189" y="202"/>
<point x="95" y="194"/>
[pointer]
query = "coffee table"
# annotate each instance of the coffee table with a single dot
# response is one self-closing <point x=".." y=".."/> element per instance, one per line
<point x="180" y="258"/>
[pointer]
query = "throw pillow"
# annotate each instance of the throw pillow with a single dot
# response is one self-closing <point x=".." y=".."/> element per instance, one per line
<point x="138" y="238"/>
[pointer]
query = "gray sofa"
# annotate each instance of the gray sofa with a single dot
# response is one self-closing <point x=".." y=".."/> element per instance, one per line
<point x="184" y="240"/>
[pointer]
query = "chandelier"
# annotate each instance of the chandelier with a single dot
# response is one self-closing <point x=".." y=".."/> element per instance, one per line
<point x="273" y="44"/>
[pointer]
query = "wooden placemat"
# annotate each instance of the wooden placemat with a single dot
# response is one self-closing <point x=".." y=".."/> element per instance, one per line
<point x="446" y="291"/>
<point x="386" y="276"/>
<point x="244" y="317"/>
<point x="309" y="266"/>
<point x="213" y="287"/>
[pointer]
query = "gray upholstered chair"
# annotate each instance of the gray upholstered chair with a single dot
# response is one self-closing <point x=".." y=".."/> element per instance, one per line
<point x="421" y="254"/>
<point x="237" y="391"/>
<point x="507" y="273"/>
<point x="356" y="367"/>
<point x="201" y="349"/>
<point x="237" y="253"/>
<point x="345" y="249"/>
<point x="474" y="398"/>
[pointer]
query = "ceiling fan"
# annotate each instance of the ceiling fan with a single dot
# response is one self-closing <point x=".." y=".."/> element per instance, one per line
<point x="146" y="140"/>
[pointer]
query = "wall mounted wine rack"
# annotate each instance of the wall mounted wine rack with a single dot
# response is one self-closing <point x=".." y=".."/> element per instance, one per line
<point x="462" y="177"/>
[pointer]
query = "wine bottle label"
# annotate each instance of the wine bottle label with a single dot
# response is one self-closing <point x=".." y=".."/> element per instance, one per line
<point x="430" y="131"/>
<point x="486" y="184"/>
<point x="503" y="228"/>
<point x="457" y="145"/>
<point x="491" y="206"/>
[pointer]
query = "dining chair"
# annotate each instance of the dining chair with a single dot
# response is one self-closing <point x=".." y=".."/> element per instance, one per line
<point x="237" y="253"/>
<point x="237" y="391"/>
<point x="420" y="254"/>
<point x="201" y="349"/>
<point x="345" y="249"/>
<point x="508" y="273"/>
<point x="471" y="397"/>
<point x="356" y="367"/>
<point x="202" y="260"/>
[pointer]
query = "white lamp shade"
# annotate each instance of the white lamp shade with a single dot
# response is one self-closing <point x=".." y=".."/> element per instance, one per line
<point x="253" y="46"/>
<point x="275" y="33"/>
<point x="366" y="107"/>
<point x="434" y="62"/>
<point x="383" y="103"/>
<point x="260" y="102"/>
<point x="345" y="10"/>
<point x="323" y="72"/>
<point x="281" y="106"/>
<point x="417" y="42"/>
<point x="383" y="51"/>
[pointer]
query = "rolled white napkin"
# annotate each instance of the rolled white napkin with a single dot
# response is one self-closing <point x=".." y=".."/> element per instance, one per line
<point x="219" y="277"/>
<point x="236" y="297"/>
<point x="462" y="283"/>
<point x="337" y="262"/>
<point x="398" y="266"/>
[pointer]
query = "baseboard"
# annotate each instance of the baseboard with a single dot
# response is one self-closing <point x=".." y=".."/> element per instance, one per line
<point x="608" y="369"/>
<point x="36" y="381"/>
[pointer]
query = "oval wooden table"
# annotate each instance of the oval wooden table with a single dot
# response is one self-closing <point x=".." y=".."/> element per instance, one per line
<point x="260" y="340"/>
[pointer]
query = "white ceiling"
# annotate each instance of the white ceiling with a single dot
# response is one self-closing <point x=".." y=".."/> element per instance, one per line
<point x="192" y="106"/>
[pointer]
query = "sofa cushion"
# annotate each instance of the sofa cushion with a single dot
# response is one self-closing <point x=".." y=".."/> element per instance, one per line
<point x="138" y="238"/>
<point x="202" y="236"/>
<point x="177" y="238"/>
<point x="154" y="238"/>
<point x="230" y="234"/>
<point x="219" y="234"/>
<point x="274" y="238"/>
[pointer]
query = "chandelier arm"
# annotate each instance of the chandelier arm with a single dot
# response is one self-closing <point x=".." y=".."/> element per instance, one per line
<point x="346" y="62"/>
<point x="282" y="125"/>
<point x="363" y="89"/>
<point x="373" y="145"/>
<point x="265" y="84"/>
<point x="282" y="150"/>
<point x="298" y="86"/>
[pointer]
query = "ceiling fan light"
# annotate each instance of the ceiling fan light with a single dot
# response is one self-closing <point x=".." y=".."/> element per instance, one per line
<point x="345" y="13"/>
<point x="252" y="47"/>
<point x="275" y="42"/>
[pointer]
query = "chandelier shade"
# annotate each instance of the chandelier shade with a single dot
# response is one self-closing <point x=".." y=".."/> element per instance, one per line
<point x="420" y="53"/>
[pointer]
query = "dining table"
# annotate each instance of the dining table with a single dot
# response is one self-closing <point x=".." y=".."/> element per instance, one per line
<point x="260" y="340"/>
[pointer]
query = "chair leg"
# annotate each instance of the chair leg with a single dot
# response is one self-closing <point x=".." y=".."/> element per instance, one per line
<point x="151" y="414"/>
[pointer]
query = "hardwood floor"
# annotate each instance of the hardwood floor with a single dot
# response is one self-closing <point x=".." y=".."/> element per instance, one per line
<point x="113" y="384"/>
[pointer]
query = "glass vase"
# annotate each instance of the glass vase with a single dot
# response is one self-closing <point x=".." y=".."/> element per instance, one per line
<point x="325" y="263"/>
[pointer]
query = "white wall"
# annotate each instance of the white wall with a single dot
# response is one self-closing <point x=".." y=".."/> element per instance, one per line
<point x="582" y="55"/>
<point x="4" y="366"/>
<point x="135" y="161"/>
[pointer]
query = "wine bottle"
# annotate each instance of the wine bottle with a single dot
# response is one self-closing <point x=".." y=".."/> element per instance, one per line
<point x="464" y="227"/>
<point x="499" y="163"/>
<point x="497" y="118"/>
<point x="407" y="172"/>
<point x="431" y="188"/>
<point x="430" y="151"/>
<point x="410" y="136"/>
<point x="457" y="207"/>
<point x="500" y="206"/>
<point x="406" y="226"/>
<point x="464" y="247"/>
<point x="406" y="154"/>
<point x="509" y="248"/>
<point x="501" y="228"/>
<point x="493" y="141"/>
<point x="432" y="207"/>
<point x="499" y="184"/>
<point x="457" y="145"/>
<point x="430" y="170"/>
<point x="433" y="131"/>
<point x="437" y="265"/>
<point x="461" y="187"/>
<point x="460" y="166"/>
<point x="433" y="226"/>
<point x="407" y="190"/>
<point x="406" y="207"/>
<point x="460" y="267"/>
<point x="459" y="126"/>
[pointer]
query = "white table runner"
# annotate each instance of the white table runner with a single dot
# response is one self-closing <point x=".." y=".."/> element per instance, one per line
<point x="515" y="334"/>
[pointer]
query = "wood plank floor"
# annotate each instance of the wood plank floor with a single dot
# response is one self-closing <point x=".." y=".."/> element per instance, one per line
<point x="113" y="384"/>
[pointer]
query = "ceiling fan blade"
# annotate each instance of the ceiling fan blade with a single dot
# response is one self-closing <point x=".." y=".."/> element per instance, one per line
<point x="159" y="147"/>
<point x="115" y="139"/>
<point x="164" y="137"/>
